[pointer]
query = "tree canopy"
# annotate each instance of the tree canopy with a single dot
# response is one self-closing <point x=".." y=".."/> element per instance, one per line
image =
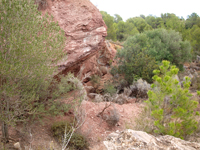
<point x="143" y="51"/>
<point x="189" y="29"/>
<point x="109" y="21"/>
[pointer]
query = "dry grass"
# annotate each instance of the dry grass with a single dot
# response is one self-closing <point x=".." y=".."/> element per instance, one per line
<point x="144" y="122"/>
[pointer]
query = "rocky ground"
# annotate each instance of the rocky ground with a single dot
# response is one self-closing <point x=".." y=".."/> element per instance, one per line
<point x="38" y="135"/>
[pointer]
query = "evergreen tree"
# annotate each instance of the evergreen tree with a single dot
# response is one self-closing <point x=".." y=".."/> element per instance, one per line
<point x="140" y="24"/>
<point x="109" y="21"/>
<point x="117" y="18"/>
<point x="151" y="20"/>
<point x="194" y="38"/>
<point x="30" y="45"/>
<point x="192" y="20"/>
<point x="171" y="106"/>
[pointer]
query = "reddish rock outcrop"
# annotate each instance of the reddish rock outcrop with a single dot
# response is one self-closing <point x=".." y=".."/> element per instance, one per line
<point x="85" y="31"/>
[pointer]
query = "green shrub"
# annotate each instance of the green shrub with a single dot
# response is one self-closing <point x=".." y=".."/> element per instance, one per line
<point x="142" y="52"/>
<point x="134" y="63"/>
<point x="168" y="45"/>
<point x="171" y="106"/>
<point x="77" y="140"/>
<point x="109" y="88"/>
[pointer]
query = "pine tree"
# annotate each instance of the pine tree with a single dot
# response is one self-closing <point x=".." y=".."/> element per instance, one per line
<point x="171" y="106"/>
<point x="30" y="45"/>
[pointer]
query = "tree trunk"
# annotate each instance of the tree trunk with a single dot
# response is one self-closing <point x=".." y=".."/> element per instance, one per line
<point x="5" y="134"/>
<point x="4" y="126"/>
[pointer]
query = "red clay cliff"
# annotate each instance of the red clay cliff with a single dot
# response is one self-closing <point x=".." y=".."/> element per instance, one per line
<point x="85" y="31"/>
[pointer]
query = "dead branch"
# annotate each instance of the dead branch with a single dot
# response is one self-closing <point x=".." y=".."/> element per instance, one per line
<point x="100" y="114"/>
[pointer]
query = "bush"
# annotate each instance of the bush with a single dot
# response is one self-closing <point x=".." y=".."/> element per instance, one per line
<point x="109" y="88"/>
<point x="144" y="121"/>
<point x="142" y="52"/>
<point x="171" y="106"/>
<point x="77" y="141"/>
<point x="112" y="118"/>
<point x="168" y="45"/>
<point x="134" y="61"/>
<point x="112" y="115"/>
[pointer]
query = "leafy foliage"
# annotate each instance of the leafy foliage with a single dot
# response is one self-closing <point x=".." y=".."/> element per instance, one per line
<point x="171" y="106"/>
<point x="160" y="44"/>
<point x="140" y="24"/>
<point x="194" y="39"/>
<point x="95" y="81"/>
<point x="124" y="30"/>
<point x="30" y="46"/>
<point x="188" y="29"/>
<point x="154" y="22"/>
<point x="109" y="21"/>
<point x="192" y="20"/>
<point x="143" y="51"/>
<point x="117" y="18"/>
<point x="168" y="45"/>
<point x="134" y="62"/>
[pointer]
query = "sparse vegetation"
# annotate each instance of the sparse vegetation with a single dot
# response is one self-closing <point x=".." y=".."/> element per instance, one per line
<point x="109" y="88"/>
<point x="195" y="81"/>
<point x="77" y="140"/>
<point x="95" y="80"/>
<point x="146" y="123"/>
<point x="111" y="116"/>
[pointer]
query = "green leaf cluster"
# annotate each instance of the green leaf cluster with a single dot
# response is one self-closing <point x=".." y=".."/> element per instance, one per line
<point x="172" y="108"/>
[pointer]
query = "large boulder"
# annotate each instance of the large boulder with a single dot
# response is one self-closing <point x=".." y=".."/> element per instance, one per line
<point x="139" y="140"/>
<point x="85" y="31"/>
